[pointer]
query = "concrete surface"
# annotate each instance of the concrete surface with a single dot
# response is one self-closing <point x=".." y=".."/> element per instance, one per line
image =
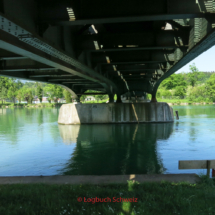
<point x="115" y="113"/>
<point x="104" y="179"/>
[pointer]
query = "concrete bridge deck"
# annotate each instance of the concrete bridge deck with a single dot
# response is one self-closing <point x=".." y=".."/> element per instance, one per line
<point x="115" y="47"/>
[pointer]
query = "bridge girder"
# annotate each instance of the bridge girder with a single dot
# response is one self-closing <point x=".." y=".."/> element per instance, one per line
<point x="113" y="46"/>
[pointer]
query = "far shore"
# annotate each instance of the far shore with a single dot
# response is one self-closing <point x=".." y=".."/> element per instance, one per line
<point x="45" y="105"/>
<point x="23" y="105"/>
<point x="195" y="103"/>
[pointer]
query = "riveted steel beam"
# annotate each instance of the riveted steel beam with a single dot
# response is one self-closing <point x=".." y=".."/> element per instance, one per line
<point x="67" y="79"/>
<point x="198" y="49"/>
<point x="29" y="69"/>
<point x="130" y="70"/>
<point x="82" y="83"/>
<point x="18" y="40"/>
<point x="50" y="76"/>
<point x="133" y="49"/>
<point x="73" y="82"/>
<point x="139" y="75"/>
<point x="160" y="17"/>
<point x="13" y="58"/>
<point x="132" y="62"/>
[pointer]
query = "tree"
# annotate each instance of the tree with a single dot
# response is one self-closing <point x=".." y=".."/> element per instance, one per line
<point x="39" y="92"/>
<point x="194" y="75"/>
<point x="173" y="81"/>
<point x="3" y="93"/>
<point x="210" y="87"/>
<point x="27" y="94"/>
<point x="166" y="93"/>
<point x="49" y="100"/>
<point x="19" y="84"/>
<point x="4" y="86"/>
<point x="180" y="91"/>
<point x="11" y="93"/>
<point x="197" y="93"/>
<point x="19" y="95"/>
<point x="83" y="97"/>
<point x="53" y="92"/>
<point x="101" y="97"/>
<point x="67" y="96"/>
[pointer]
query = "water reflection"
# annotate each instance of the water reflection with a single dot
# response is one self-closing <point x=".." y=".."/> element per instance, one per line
<point x="114" y="149"/>
<point x="198" y="111"/>
<point x="16" y="123"/>
<point x="69" y="133"/>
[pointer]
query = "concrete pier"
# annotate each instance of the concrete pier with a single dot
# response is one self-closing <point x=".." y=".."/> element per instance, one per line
<point x="115" y="113"/>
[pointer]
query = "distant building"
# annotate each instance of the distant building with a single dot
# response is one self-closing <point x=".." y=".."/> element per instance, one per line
<point x="45" y="99"/>
<point x="90" y="98"/>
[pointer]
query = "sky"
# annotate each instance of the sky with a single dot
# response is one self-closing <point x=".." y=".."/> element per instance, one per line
<point x="204" y="62"/>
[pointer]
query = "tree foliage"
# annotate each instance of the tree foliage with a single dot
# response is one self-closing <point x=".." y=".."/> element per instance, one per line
<point x="27" y="94"/>
<point x="173" y="81"/>
<point x="39" y="92"/>
<point x="67" y="95"/>
<point x="196" y="86"/>
<point x="194" y="75"/>
<point x="210" y="87"/>
<point x="53" y="92"/>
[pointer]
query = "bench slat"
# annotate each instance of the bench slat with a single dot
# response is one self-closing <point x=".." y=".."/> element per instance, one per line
<point x="195" y="164"/>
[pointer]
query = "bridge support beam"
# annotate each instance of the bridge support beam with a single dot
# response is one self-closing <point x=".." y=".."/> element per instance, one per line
<point x="111" y="98"/>
<point x="118" y="99"/>
<point x="78" y="99"/>
<point x="115" y="113"/>
<point x="153" y="99"/>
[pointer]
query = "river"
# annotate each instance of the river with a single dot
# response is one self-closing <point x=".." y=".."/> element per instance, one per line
<point x="32" y="143"/>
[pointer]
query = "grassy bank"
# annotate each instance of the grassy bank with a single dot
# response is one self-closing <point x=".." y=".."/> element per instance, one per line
<point x="152" y="198"/>
<point x="173" y="100"/>
<point x="43" y="105"/>
<point x="39" y="105"/>
<point x="181" y="101"/>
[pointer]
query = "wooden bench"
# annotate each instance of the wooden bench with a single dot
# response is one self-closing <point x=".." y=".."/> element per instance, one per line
<point x="198" y="164"/>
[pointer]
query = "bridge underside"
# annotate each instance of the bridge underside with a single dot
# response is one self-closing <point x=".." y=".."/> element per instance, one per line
<point x="116" y="47"/>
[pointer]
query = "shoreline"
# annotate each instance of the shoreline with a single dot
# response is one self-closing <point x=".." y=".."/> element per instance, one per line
<point x="59" y="105"/>
<point x="31" y="106"/>
<point x="193" y="103"/>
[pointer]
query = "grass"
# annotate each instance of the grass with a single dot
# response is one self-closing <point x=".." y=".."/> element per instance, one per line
<point x="173" y="100"/>
<point x="179" y="101"/>
<point x="153" y="198"/>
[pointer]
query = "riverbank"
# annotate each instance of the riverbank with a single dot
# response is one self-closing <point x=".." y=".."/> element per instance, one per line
<point x="44" y="105"/>
<point x="23" y="105"/>
<point x="131" y="198"/>
<point x="186" y="103"/>
<point x="182" y="102"/>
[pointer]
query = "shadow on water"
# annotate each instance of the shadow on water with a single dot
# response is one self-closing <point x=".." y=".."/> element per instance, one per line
<point x="114" y="148"/>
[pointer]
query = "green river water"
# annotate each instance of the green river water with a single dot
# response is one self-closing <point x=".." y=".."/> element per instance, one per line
<point x="32" y="143"/>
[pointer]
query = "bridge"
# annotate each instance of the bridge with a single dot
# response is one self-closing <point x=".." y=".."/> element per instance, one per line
<point x="115" y="47"/>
